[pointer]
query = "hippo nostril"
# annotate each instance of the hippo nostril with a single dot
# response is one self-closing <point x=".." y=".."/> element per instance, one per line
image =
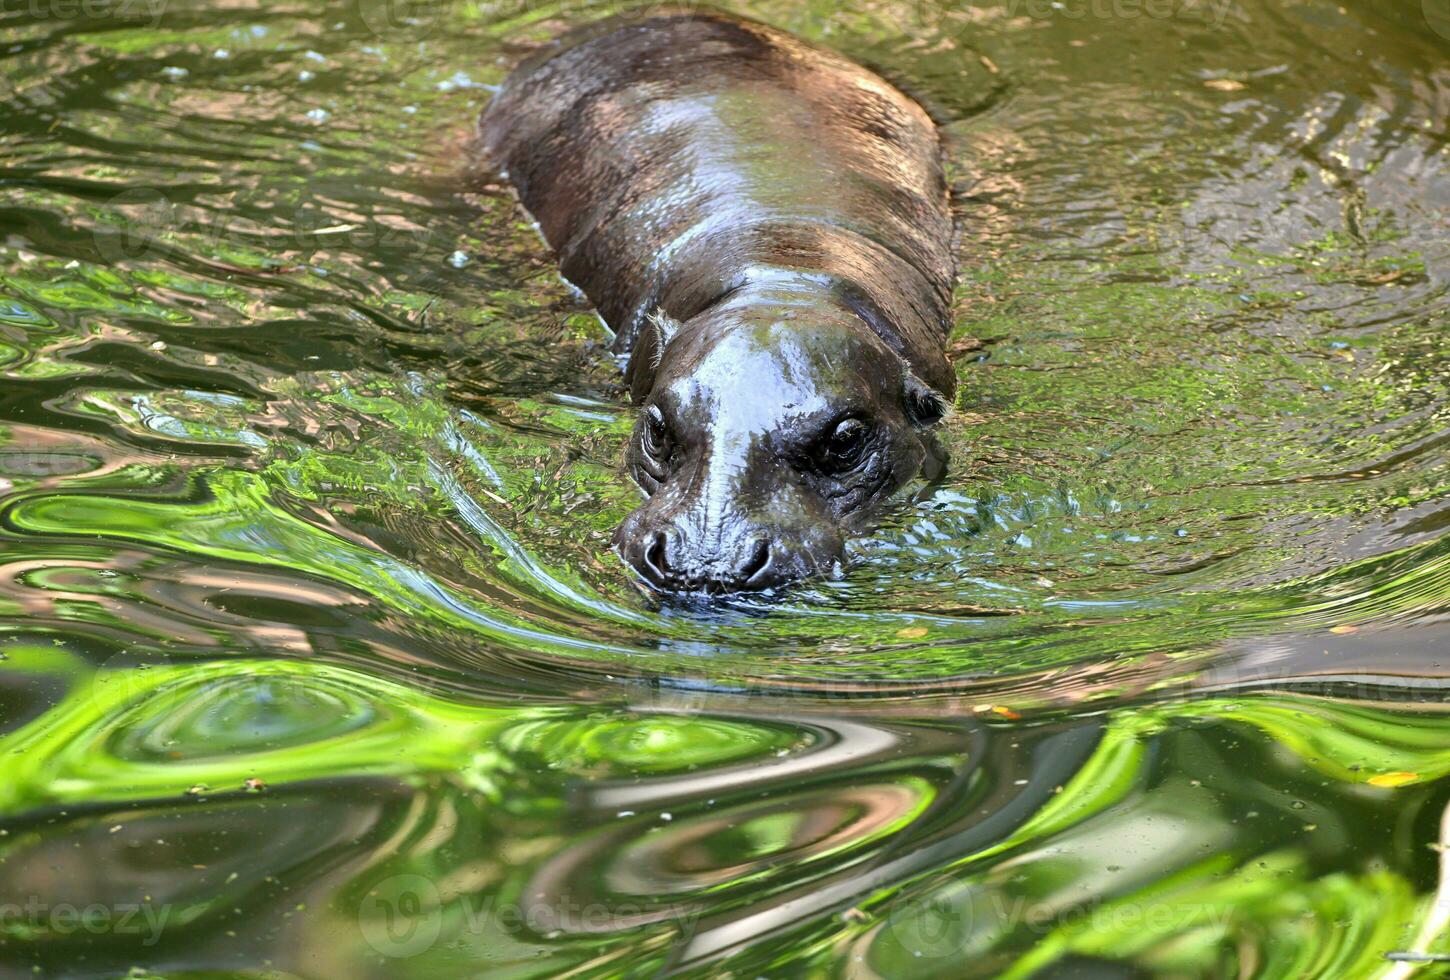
<point x="654" y="557"/>
<point x="757" y="563"/>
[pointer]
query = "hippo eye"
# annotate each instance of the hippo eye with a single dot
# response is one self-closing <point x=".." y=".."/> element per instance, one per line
<point x="654" y="439"/>
<point x="842" y="447"/>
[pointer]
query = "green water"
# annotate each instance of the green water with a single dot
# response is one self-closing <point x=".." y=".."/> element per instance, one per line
<point x="317" y="663"/>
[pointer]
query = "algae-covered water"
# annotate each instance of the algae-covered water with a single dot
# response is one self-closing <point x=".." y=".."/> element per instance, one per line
<point x="316" y="661"/>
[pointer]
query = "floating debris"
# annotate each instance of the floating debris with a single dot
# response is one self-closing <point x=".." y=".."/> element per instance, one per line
<point x="1389" y="780"/>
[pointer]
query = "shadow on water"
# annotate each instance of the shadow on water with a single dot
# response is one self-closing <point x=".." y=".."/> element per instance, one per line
<point x="316" y="661"/>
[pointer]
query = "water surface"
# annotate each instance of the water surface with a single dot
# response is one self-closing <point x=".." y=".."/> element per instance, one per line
<point x="317" y="662"/>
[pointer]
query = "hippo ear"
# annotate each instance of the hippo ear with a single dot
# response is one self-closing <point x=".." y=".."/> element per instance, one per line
<point x="655" y="334"/>
<point x="925" y="406"/>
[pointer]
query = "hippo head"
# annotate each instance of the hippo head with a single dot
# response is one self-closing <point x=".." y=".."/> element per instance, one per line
<point x="767" y="433"/>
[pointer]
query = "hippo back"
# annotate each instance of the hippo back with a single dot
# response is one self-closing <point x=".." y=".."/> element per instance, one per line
<point x="673" y="159"/>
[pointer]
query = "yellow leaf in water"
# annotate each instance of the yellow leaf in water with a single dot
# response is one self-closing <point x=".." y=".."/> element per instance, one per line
<point x="911" y="633"/>
<point x="1344" y="629"/>
<point x="1005" y="712"/>
<point x="1224" y="84"/>
<point x="1392" y="779"/>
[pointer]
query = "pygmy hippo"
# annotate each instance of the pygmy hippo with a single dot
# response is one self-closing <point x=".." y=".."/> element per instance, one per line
<point x="765" y="226"/>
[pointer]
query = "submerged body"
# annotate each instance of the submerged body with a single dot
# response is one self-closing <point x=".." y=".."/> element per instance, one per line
<point x="765" y="226"/>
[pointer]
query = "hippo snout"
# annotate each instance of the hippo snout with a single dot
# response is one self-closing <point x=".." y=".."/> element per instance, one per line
<point x="672" y="559"/>
<point x="668" y="564"/>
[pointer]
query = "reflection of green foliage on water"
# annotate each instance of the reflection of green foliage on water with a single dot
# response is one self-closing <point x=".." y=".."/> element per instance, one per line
<point x="168" y="729"/>
<point x="1180" y="846"/>
<point x="610" y="744"/>
<point x="1338" y="926"/>
<point x="1066" y="882"/>
<point x="1344" y="742"/>
<point x="159" y="730"/>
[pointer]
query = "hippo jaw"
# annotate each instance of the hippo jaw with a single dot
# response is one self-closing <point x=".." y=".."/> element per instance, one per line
<point x="765" y="438"/>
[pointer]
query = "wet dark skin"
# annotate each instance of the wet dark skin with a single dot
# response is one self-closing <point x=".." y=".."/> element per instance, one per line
<point x="765" y="227"/>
